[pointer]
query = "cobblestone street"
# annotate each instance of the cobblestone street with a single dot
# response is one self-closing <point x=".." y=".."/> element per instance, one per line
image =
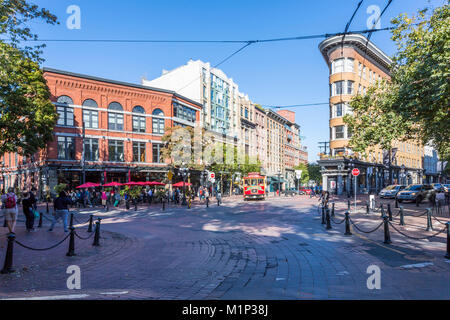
<point x="273" y="249"/>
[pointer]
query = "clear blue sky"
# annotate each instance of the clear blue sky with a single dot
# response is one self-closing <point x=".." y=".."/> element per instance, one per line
<point x="281" y="73"/>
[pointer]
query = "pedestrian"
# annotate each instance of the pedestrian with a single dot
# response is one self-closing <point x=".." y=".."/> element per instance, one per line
<point x="10" y="209"/>
<point x="27" y="208"/>
<point x="61" y="210"/>
<point x="104" y="199"/>
<point x="117" y="199"/>
<point x="312" y="193"/>
<point x="150" y="196"/>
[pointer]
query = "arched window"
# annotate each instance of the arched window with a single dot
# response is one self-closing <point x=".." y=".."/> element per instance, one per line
<point x="90" y="117"/>
<point x="138" y="121"/>
<point x="158" y="123"/>
<point x="64" y="111"/>
<point x="115" y="119"/>
<point x="65" y="100"/>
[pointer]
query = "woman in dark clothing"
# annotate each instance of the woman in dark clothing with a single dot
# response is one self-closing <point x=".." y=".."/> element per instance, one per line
<point x="27" y="205"/>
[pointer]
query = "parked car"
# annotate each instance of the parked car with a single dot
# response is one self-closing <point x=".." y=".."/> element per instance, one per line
<point x="438" y="187"/>
<point x="291" y="192"/>
<point x="446" y="187"/>
<point x="305" y="191"/>
<point x="391" y="191"/>
<point x="416" y="192"/>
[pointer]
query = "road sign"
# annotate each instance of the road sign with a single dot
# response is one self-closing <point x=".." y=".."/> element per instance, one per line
<point x="212" y="175"/>
<point x="355" y="172"/>
<point x="169" y="175"/>
<point x="298" y="174"/>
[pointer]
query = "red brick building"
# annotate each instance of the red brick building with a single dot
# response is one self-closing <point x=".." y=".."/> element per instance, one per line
<point x="122" y="131"/>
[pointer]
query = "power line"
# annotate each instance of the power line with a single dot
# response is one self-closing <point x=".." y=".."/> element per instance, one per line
<point x="306" y="37"/>
<point x="296" y="105"/>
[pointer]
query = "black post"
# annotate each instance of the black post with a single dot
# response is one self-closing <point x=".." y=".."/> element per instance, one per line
<point x="4" y="223"/>
<point x="347" y="224"/>
<point x="367" y="207"/>
<point x="447" y="256"/>
<point x="97" y="233"/>
<point x="332" y="209"/>
<point x="7" y="267"/>
<point x="328" y="219"/>
<point x="91" y="218"/>
<point x="323" y="215"/>
<point x="417" y="201"/>
<point x="396" y="202"/>
<point x="382" y="211"/>
<point x="402" y="218"/>
<point x="71" y="251"/>
<point x="40" y="220"/>
<point x="348" y="205"/>
<point x="46" y="200"/>
<point x="135" y="204"/>
<point x="389" y="211"/>
<point x="164" y="205"/>
<point x="127" y="204"/>
<point x="429" y="222"/>
<point x="207" y="202"/>
<point x="71" y="220"/>
<point x="387" y="235"/>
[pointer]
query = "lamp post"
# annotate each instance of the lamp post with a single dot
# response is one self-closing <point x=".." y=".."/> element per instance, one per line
<point x="403" y="174"/>
<point x="184" y="173"/>
<point x="349" y="188"/>
<point x="279" y="183"/>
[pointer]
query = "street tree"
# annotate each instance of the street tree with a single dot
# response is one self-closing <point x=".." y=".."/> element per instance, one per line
<point x="27" y="115"/>
<point x="305" y="172"/>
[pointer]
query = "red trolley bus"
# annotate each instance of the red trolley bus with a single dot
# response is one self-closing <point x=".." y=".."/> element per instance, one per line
<point x="254" y="186"/>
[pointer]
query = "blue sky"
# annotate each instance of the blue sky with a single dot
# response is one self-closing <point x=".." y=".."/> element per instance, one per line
<point x="280" y="73"/>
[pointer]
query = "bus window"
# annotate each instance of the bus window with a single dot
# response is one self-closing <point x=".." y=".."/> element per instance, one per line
<point x="260" y="181"/>
<point x="253" y="182"/>
<point x="246" y="182"/>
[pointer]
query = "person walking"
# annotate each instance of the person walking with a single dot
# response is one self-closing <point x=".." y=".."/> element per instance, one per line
<point x="104" y="199"/>
<point x="27" y="208"/>
<point x="117" y="199"/>
<point x="61" y="210"/>
<point x="10" y="209"/>
<point x="150" y="196"/>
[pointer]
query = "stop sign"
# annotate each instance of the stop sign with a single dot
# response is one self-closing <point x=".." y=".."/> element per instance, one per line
<point x="355" y="172"/>
<point x="212" y="175"/>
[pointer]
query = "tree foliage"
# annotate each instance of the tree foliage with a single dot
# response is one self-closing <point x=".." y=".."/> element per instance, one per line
<point x="415" y="104"/>
<point x="27" y="116"/>
<point x="305" y="172"/>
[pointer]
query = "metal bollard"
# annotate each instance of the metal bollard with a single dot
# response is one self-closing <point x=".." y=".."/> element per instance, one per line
<point x="40" y="220"/>
<point x="4" y="223"/>
<point x="91" y="218"/>
<point x="347" y="224"/>
<point x="348" y="205"/>
<point x="164" y="205"/>
<point x="323" y="215"/>
<point x="448" y="241"/>
<point x="7" y="267"/>
<point x="396" y="202"/>
<point x="382" y="211"/>
<point x="429" y="222"/>
<point x="71" y="251"/>
<point x="97" y="233"/>
<point x="387" y="235"/>
<point x="367" y="207"/>
<point x="417" y="201"/>
<point x="71" y="220"/>
<point x="332" y="209"/>
<point x="207" y="202"/>
<point x="389" y="211"/>
<point x="402" y="218"/>
<point x="218" y="202"/>
<point x="328" y="219"/>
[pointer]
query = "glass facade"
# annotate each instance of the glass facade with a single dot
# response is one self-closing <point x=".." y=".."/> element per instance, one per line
<point x="91" y="149"/>
<point x="115" y="149"/>
<point x="138" y="151"/>
<point x="66" y="148"/>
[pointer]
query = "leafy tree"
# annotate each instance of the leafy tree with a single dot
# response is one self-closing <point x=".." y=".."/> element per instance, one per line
<point x="314" y="172"/>
<point x="27" y="116"/>
<point x="415" y="104"/>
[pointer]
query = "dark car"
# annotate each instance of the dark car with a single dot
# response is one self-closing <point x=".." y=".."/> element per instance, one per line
<point x="416" y="193"/>
<point x="390" y="192"/>
<point x="291" y="192"/>
<point x="438" y="187"/>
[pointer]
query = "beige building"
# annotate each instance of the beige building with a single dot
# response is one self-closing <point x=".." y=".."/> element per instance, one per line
<point x="353" y="68"/>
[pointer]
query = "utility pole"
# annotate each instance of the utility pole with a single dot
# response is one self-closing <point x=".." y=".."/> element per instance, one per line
<point x="83" y="169"/>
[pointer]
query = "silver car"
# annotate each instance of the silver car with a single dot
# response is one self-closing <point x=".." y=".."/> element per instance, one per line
<point x="391" y="191"/>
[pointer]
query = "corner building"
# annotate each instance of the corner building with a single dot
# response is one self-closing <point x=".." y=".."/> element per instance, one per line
<point x="353" y="68"/>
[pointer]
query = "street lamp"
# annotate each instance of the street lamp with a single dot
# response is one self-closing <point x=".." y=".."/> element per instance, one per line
<point x="403" y="174"/>
<point x="279" y="183"/>
<point x="349" y="188"/>
<point x="184" y="172"/>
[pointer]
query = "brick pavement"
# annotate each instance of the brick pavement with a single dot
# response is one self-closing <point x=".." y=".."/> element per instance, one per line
<point x="273" y="249"/>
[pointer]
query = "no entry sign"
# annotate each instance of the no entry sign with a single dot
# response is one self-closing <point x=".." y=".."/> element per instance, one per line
<point x="355" y="172"/>
<point x="212" y="175"/>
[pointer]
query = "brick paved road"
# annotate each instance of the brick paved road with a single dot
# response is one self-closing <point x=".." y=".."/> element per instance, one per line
<point x="276" y="249"/>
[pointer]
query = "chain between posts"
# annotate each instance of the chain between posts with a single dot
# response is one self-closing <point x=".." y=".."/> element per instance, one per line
<point x="44" y="249"/>
<point x="421" y="238"/>
<point x="84" y="238"/>
<point x="357" y="228"/>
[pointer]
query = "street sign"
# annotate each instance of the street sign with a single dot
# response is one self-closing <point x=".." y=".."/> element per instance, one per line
<point x="212" y="175"/>
<point x="298" y="174"/>
<point x="169" y="175"/>
<point x="355" y="172"/>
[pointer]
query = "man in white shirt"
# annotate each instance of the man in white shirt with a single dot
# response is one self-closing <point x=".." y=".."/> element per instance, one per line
<point x="9" y="202"/>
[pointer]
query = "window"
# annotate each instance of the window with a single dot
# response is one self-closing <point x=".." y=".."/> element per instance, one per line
<point x="156" y="153"/>
<point x="115" y="149"/>
<point x="338" y="88"/>
<point x="338" y="65"/>
<point x="364" y="73"/>
<point x="158" y="123"/>
<point x="91" y="149"/>
<point x="339" y="132"/>
<point x="138" y="121"/>
<point x="115" y="119"/>
<point x="338" y="110"/>
<point x="138" y="151"/>
<point x="349" y="63"/>
<point x="64" y="111"/>
<point x="350" y="87"/>
<point x="349" y="132"/>
<point x="66" y="148"/>
<point x="185" y="113"/>
<point x="90" y="117"/>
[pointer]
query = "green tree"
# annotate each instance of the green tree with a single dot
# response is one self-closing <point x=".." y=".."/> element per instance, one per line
<point x="415" y="104"/>
<point x="27" y="115"/>
<point x="314" y="172"/>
